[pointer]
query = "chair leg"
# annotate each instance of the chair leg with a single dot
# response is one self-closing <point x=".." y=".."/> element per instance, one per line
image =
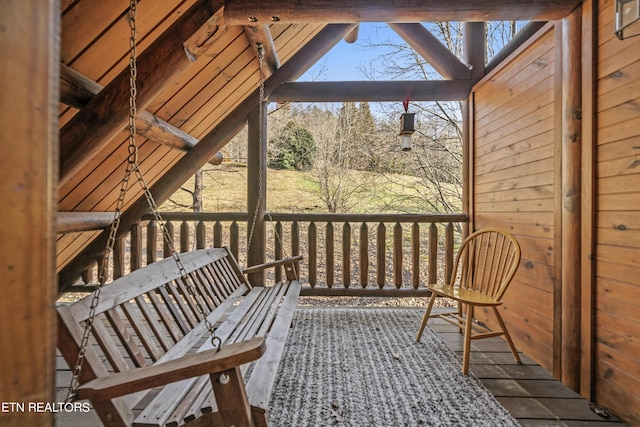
<point x="425" y="318"/>
<point x="467" y="339"/>
<point x="506" y="335"/>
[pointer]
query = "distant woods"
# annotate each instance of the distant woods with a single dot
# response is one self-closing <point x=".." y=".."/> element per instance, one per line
<point x="348" y="149"/>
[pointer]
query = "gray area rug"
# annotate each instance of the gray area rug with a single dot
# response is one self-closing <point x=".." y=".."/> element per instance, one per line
<point x="362" y="367"/>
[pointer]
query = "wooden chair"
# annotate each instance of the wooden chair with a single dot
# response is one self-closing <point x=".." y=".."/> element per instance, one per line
<point x="483" y="269"/>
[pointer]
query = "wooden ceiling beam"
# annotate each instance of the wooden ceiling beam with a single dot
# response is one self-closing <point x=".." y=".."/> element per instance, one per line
<point x="432" y="50"/>
<point x="103" y="117"/>
<point x="189" y="164"/>
<point x="372" y="91"/>
<point x="241" y="12"/>
<point x="262" y="43"/>
<point x="77" y="90"/>
<point x="352" y="37"/>
<point x="73" y="222"/>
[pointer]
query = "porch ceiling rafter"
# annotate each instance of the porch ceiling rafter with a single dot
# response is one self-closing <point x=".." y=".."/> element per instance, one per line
<point x="432" y="50"/>
<point x="77" y="90"/>
<point x="260" y="35"/>
<point x="240" y="12"/>
<point x="102" y="118"/>
<point x="372" y="91"/>
<point x="193" y="160"/>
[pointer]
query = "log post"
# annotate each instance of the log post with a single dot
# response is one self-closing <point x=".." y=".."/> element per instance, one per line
<point x="257" y="190"/>
<point x="571" y="200"/>
<point x="29" y="77"/>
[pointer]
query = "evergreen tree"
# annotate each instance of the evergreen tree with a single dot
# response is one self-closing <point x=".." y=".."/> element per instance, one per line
<point x="294" y="149"/>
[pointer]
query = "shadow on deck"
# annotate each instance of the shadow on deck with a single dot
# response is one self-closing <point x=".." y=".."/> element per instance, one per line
<point x="530" y="393"/>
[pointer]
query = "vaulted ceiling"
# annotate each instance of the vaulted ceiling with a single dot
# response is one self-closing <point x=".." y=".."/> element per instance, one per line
<point x="198" y="73"/>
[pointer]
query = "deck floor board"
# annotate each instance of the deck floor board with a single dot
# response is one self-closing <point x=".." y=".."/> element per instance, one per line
<point x="528" y="391"/>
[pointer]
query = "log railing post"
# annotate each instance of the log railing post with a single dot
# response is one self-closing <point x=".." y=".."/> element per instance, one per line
<point x="234" y="237"/>
<point x="364" y="255"/>
<point x="330" y="254"/>
<point x="135" y="259"/>
<point x="185" y="242"/>
<point x="217" y="234"/>
<point x="346" y="255"/>
<point x="277" y="241"/>
<point x="118" y="258"/>
<point x="201" y="235"/>
<point x="295" y="241"/>
<point x="381" y="256"/>
<point x="152" y="242"/>
<point x="415" y="255"/>
<point x="397" y="255"/>
<point x="167" y="239"/>
<point x="433" y="254"/>
<point x="313" y="254"/>
<point x="448" y="253"/>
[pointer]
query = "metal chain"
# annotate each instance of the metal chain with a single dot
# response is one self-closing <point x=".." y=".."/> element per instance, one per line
<point x="124" y="186"/>
<point x="132" y="167"/>
<point x="260" y="118"/>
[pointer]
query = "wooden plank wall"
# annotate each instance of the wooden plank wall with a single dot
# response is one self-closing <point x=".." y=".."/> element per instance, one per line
<point x="617" y="211"/>
<point x="513" y="187"/>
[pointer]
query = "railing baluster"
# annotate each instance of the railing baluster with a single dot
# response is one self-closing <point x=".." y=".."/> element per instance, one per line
<point x="390" y="268"/>
<point x="381" y="270"/>
<point x="313" y="254"/>
<point x="364" y="255"/>
<point x="118" y="258"/>
<point x="201" y="235"/>
<point x="87" y="275"/>
<point x="448" y="252"/>
<point x="185" y="245"/>
<point x="234" y="237"/>
<point x="397" y="255"/>
<point x="168" y="226"/>
<point x="330" y="255"/>
<point x="295" y="242"/>
<point x="415" y="255"/>
<point x="278" y="248"/>
<point x="135" y="259"/>
<point x="217" y="235"/>
<point x="346" y="255"/>
<point x="152" y="242"/>
<point x="433" y="253"/>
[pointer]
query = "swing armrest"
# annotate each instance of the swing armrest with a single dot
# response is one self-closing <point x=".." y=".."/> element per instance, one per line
<point x="188" y="366"/>
<point x="289" y="271"/>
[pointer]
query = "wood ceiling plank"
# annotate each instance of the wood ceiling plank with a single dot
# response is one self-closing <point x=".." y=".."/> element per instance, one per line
<point x="97" y="123"/>
<point x="109" y="54"/>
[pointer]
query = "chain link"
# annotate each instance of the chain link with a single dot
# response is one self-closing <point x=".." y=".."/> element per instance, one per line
<point x="132" y="167"/>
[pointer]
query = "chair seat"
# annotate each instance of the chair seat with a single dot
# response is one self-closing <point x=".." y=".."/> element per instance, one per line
<point x="463" y="295"/>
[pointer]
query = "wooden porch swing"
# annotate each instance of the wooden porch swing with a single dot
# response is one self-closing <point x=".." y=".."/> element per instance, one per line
<point x="171" y="343"/>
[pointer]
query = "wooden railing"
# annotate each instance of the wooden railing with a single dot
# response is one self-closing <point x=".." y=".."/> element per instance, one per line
<point x="344" y="254"/>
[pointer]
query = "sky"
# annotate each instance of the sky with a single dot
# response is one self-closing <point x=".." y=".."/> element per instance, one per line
<point x="345" y="60"/>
